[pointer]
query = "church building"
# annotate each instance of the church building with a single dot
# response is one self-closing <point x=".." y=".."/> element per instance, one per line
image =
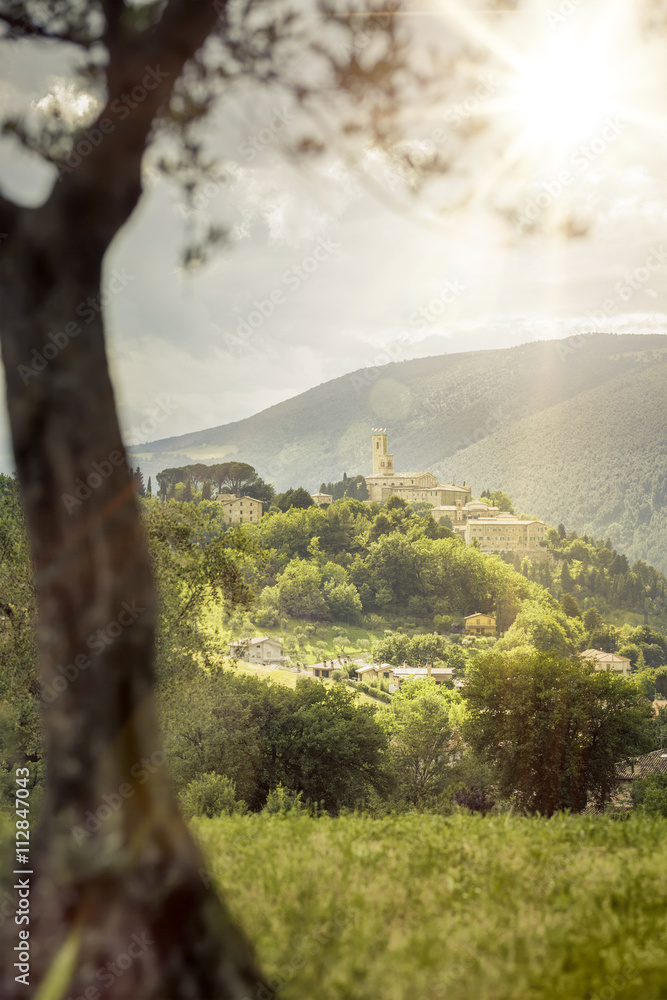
<point x="412" y="486"/>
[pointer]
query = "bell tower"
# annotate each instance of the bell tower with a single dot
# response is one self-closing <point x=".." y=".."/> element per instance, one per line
<point x="383" y="464"/>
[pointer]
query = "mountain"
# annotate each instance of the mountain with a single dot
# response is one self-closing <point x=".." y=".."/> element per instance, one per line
<point x="572" y="429"/>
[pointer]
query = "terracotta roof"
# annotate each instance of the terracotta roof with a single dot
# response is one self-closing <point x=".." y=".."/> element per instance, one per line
<point x="639" y="767"/>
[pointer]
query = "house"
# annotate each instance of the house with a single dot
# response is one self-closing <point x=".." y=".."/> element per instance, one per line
<point x="639" y="767"/>
<point x="607" y="661"/>
<point x="384" y="482"/>
<point x="259" y="650"/>
<point x="325" y="670"/>
<point x="240" y="510"/>
<point x="440" y="675"/>
<point x="322" y="499"/>
<point x="479" y="624"/>
<point x="375" y="672"/>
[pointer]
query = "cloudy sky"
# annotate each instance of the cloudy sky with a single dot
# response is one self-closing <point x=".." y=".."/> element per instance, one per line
<point x="332" y="266"/>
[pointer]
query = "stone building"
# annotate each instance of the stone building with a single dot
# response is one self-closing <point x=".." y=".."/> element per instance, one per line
<point x="240" y="510"/>
<point x="507" y="533"/>
<point x="322" y="499"/>
<point x="385" y="482"/>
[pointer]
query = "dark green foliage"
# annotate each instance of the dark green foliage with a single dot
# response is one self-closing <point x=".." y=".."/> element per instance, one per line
<point x="228" y="477"/>
<point x="649" y="794"/>
<point x="570" y="606"/>
<point x="313" y="740"/>
<point x="474" y="799"/>
<point x="418" y="650"/>
<point x="138" y="482"/>
<point x="499" y="499"/>
<point x="553" y="729"/>
<point x="349" y="487"/>
<point x="298" y="497"/>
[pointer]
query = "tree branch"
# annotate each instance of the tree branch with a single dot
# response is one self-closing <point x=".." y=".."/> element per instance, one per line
<point x="23" y="27"/>
<point x="142" y="72"/>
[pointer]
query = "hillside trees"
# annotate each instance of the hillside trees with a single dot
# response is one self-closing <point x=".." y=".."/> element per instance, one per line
<point x="295" y="497"/>
<point x="420" y="723"/>
<point x="541" y="625"/>
<point x="313" y="740"/>
<point x="92" y="560"/>
<point x="238" y="478"/>
<point x="552" y="728"/>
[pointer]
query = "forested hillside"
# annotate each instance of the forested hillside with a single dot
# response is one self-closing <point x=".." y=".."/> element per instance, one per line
<point x="599" y="461"/>
<point x="572" y="429"/>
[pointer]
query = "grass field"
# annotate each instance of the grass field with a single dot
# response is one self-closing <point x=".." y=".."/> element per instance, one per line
<point x="448" y="908"/>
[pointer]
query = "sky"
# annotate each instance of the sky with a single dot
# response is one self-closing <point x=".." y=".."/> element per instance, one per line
<point x="558" y="126"/>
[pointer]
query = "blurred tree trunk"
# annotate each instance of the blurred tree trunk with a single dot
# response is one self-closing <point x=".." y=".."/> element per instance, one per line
<point x="116" y="873"/>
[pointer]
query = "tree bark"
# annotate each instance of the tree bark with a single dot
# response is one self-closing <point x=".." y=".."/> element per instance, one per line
<point x="116" y="872"/>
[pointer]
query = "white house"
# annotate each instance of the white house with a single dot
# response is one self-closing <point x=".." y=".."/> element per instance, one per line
<point x="259" y="650"/>
<point x="607" y="661"/>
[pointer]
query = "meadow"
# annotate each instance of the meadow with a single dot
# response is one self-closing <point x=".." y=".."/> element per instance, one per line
<point x="426" y="907"/>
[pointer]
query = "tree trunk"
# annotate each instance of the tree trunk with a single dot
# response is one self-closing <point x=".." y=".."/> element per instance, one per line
<point x="116" y="873"/>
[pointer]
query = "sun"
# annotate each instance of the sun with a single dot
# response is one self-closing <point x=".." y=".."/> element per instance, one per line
<point x="561" y="96"/>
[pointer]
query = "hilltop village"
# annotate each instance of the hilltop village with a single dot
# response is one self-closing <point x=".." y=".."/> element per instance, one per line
<point x="488" y="527"/>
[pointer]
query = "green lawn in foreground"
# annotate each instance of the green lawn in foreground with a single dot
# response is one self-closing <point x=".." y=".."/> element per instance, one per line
<point x="448" y="908"/>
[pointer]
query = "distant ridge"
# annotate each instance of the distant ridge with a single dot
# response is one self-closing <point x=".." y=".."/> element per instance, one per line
<point x="575" y="430"/>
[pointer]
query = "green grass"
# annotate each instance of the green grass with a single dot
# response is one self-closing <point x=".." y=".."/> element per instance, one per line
<point x="448" y="908"/>
<point x="315" y="632"/>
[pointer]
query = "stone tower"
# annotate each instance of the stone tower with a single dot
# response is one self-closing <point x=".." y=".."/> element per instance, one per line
<point x="382" y="462"/>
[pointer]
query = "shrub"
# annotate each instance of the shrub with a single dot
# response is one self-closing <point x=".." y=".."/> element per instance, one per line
<point x="281" y="801"/>
<point x="649" y="794"/>
<point x="211" y="795"/>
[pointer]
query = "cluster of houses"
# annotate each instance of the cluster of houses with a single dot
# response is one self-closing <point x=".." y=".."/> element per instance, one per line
<point x="271" y="652"/>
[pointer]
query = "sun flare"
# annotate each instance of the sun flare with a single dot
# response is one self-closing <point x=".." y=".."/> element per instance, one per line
<point x="562" y="96"/>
